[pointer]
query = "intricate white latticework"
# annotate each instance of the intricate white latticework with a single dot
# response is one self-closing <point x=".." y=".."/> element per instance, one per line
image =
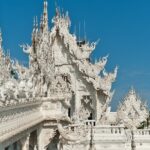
<point x="51" y="53"/>
<point x="61" y="83"/>
<point x="132" y="111"/>
<point x="73" y="134"/>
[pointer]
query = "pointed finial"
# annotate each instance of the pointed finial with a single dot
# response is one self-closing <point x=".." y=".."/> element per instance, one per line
<point x="34" y="29"/>
<point x="45" y="16"/>
<point x="45" y="6"/>
<point x="56" y="9"/>
<point x="68" y="19"/>
<point x="132" y="90"/>
<point x="75" y="30"/>
<point x="36" y="24"/>
<point x="41" y="23"/>
<point x="1" y="40"/>
<point x="115" y="71"/>
<point x="57" y="12"/>
<point x="84" y="30"/>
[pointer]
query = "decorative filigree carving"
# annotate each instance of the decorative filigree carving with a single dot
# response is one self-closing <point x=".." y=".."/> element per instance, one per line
<point x="72" y="135"/>
<point x="132" y="111"/>
<point x="86" y="109"/>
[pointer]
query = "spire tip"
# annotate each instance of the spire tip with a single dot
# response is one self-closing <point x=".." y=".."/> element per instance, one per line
<point x="1" y="39"/>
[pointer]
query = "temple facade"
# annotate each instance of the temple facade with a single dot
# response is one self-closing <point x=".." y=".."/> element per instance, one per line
<point x="62" y="100"/>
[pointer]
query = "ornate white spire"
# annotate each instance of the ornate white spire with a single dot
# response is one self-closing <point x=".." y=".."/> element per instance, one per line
<point x="132" y="91"/>
<point x="34" y="26"/>
<point x="1" y="40"/>
<point x="45" y="16"/>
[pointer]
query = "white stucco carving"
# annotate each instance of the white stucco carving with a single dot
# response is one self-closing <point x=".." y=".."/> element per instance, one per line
<point x="132" y="111"/>
<point x="62" y="98"/>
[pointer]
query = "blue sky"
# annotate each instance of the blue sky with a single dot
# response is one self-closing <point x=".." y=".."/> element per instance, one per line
<point x="123" y="28"/>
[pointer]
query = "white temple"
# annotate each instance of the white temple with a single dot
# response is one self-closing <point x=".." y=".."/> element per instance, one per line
<point x="62" y="100"/>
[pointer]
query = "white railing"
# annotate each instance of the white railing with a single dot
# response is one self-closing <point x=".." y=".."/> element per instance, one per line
<point x="142" y="132"/>
<point x="90" y="123"/>
<point x="98" y="129"/>
<point x="114" y="130"/>
<point x="14" y="120"/>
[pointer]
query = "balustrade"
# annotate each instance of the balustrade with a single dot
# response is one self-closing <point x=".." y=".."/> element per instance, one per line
<point x="18" y="119"/>
<point x="143" y="132"/>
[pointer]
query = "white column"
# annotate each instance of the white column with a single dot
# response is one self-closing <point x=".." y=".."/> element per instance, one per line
<point x="41" y="139"/>
<point x="25" y="143"/>
<point x="45" y="135"/>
